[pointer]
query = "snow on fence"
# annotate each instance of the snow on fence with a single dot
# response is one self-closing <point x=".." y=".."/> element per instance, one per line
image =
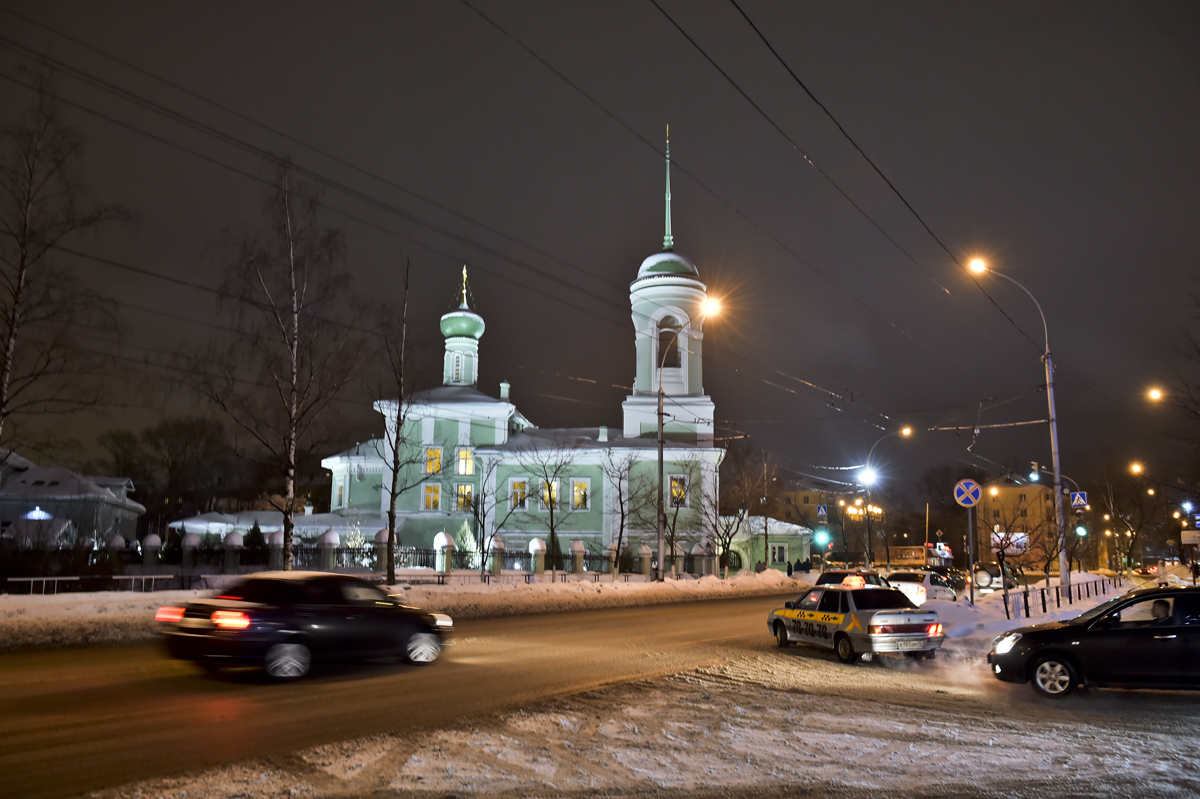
<point x="1027" y="601"/>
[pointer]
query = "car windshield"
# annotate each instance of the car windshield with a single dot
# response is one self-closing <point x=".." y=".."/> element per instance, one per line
<point x="876" y="599"/>
<point x="904" y="577"/>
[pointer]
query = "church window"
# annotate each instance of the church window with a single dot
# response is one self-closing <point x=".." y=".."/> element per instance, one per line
<point x="462" y="496"/>
<point x="519" y="490"/>
<point x="341" y="494"/>
<point x="433" y="460"/>
<point x="433" y="497"/>
<point x="548" y="496"/>
<point x="668" y="342"/>
<point x="679" y="491"/>
<point x="458" y="366"/>
<point x="581" y="494"/>
<point x="466" y="462"/>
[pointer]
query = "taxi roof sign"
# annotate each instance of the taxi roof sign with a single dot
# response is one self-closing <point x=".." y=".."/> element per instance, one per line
<point x="854" y="581"/>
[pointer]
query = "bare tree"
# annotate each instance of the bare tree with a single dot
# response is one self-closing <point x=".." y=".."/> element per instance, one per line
<point x="631" y="495"/>
<point x="1133" y="512"/>
<point x="722" y="528"/>
<point x="490" y="507"/>
<point x="391" y="392"/>
<point x="551" y="464"/>
<point x="683" y="504"/>
<point x="292" y="357"/>
<point x="43" y="206"/>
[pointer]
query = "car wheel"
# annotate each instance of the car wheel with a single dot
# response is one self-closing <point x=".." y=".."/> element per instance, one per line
<point x="781" y="635"/>
<point x="287" y="661"/>
<point x="845" y="649"/>
<point x="983" y="579"/>
<point x="1054" y="677"/>
<point x="422" y="648"/>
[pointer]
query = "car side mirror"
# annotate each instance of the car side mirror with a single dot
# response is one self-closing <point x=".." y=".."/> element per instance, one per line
<point x="789" y="605"/>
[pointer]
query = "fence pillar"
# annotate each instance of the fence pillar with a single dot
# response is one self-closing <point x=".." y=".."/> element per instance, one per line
<point x="381" y="550"/>
<point x="275" y="555"/>
<point x="497" y="563"/>
<point x="151" y="545"/>
<point x="577" y="551"/>
<point x="699" y="559"/>
<point x="610" y="554"/>
<point x="233" y="550"/>
<point x="644" y="554"/>
<point x="327" y="546"/>
<point x="444" y="545"/>
<point x="191" y="542"/>
<point x="537" y="556"/>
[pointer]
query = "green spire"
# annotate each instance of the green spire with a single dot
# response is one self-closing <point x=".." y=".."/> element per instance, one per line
<point x="668" y="239"/>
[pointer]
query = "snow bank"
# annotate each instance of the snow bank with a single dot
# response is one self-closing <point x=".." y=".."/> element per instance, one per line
<point x="112" y="617"/>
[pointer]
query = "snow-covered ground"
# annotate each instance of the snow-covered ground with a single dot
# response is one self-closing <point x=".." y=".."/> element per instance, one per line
<point x="762" y="719"/>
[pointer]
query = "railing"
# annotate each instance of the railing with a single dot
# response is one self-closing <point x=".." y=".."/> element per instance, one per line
<point x="1025" y="601"/>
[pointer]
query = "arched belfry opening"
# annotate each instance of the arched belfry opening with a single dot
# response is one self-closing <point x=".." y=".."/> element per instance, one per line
<point x="668" y="342"/>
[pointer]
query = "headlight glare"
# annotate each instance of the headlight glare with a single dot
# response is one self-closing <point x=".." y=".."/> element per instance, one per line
<point x="1005" y="643"/>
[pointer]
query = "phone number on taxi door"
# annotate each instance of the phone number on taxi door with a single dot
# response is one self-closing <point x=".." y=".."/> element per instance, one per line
<point x="811" y="630"/>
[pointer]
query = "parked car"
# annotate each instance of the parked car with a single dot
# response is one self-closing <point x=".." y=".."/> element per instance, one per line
<point x="987" y="577"/>
<point x="857" y="622"/>
<point x="921" y="585"/>
<point x="284" y="621"/>
<point x="838" y="576"/>
<point x="960" y="579"/>
<point x="1147" y="638"/>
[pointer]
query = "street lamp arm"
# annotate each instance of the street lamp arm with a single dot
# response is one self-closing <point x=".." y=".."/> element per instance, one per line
<point x="1038" y="305"/>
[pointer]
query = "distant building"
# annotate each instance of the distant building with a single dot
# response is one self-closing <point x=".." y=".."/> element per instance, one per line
<point x="475" y="465"/>
<point x="1019" y="517"/>
<point x="51" y="505"/>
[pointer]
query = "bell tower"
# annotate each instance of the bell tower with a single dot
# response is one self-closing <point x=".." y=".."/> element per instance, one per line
<point x="462" y="329"/>
<point x="667" y="301"/>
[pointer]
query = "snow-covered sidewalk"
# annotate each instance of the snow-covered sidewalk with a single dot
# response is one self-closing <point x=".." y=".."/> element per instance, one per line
<point x="83" y="619"/>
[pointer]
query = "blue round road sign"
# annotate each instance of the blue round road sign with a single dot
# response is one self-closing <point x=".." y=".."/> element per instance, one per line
<point x="967" y="493"/>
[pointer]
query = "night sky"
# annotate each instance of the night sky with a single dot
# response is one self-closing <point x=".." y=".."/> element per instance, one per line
<point x="524" y="139"/>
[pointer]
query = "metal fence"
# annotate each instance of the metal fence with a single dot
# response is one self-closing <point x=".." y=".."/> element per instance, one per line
<point x="1027" y="601"/>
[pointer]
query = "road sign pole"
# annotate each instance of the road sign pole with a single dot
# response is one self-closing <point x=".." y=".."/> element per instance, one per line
<point x="971" y="553"/>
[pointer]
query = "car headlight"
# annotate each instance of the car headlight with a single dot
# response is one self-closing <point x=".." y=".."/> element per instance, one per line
<point x="441" y="620"/>
<point x="1004" y="644"/>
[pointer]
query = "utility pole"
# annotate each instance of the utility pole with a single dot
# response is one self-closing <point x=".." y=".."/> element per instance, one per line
<point x="766" y="536"/>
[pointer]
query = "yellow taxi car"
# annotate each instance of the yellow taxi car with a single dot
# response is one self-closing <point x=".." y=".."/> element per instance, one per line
<point x="856" y="620"/>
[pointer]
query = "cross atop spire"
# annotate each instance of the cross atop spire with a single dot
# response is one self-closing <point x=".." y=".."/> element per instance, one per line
<point x="668" y="239"/>
<point x="464" y="289"/>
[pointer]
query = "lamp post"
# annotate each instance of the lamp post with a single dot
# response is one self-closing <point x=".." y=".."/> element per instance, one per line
<point x="868" y="476"/>
<point x="979" y="266"/>
<point x="711" y="307"/>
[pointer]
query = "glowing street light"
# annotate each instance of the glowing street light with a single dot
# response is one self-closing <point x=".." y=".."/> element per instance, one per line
<point x="1155" y="395"/>
<point x="978" y="266"/>
<point x="1136" y="468"/>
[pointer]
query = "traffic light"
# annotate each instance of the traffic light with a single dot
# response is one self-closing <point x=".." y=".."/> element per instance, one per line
<point x="1080" y="526"/>
<point x="1035" y="473"/>
<point x="822" y="537"/>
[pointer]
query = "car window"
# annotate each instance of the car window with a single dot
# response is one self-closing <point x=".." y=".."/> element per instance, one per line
<point x="830" y="577"/>
<point x="1187" y="609"/>
<point x="267" y="592"/>
<point x="831" y="602"/>
<point x="875" y="579"/>
<point x="1143" y="613"/>
<point x="938" y="579"/>
<point x="362" y="593"/>
<point x="810" y="600"/>
<point x="323" y="592"/>
<point x="905" y="577"/>
<point x="874" y="599"/>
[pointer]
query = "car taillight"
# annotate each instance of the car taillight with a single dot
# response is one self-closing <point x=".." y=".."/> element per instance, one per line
<point x="168" y="614"/>
<point x="934" y="630"/>
<point x="230" y="619"/>
<point x="879" y="629"/>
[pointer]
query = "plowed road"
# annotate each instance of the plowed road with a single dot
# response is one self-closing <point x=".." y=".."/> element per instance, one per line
<point x="82" y="719"/>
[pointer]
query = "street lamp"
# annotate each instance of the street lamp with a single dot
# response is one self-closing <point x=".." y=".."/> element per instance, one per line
<point x="868" y="476"/>
<point x="979" y="266"/>
<point x="711" y="306"/>
<point x="1155" y="395"/>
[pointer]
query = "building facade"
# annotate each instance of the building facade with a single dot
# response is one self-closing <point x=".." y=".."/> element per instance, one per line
<point x="473" y="467"/>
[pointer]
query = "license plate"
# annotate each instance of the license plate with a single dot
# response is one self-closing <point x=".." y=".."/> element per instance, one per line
<point x="910" y="644"/>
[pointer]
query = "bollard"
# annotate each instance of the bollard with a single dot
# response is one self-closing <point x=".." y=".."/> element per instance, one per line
<point x="497" y="562"/>
<point x="537" y="556"/>
<point x="327" y="546"/>
<point x="233" y="551"/>
<point x="275" y="543"/>
<point x="381" y="550"/>
<point x="644" y="554"/>
<point x="577" y="550"/>
<point x="191" y="542"/>
<point x="444" y="545"/>
<point x="151" y="545"/>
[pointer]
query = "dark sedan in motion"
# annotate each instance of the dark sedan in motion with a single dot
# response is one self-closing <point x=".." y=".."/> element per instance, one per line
<point x="283" y="621"/>
<point x="1148" y="638"/>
